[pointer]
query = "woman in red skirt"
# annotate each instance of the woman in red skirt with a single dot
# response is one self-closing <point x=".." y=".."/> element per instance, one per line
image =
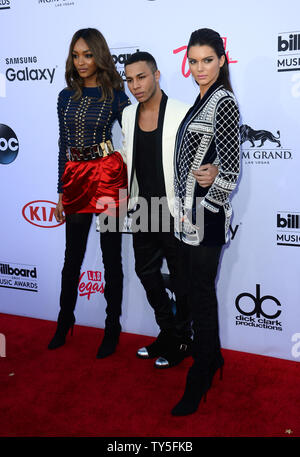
<point x="90" y="176"/>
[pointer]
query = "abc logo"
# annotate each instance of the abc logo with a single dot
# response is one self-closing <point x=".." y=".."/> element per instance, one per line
<point x="9" y="145"/>
<point x="257" y="304"/>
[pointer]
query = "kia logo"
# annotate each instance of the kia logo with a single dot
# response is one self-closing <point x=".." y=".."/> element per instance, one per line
<point x="41" y="213"/>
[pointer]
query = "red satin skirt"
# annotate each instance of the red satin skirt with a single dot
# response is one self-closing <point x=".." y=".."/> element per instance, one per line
<point x="95" y="186"/>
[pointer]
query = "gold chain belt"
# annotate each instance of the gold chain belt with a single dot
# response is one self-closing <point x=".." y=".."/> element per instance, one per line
<point x="90" y="152"/>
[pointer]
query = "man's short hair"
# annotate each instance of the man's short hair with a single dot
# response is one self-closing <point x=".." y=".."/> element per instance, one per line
<point x="141" y="56"/>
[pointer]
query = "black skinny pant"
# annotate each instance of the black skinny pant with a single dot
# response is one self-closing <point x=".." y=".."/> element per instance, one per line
<point x="150" y="248"/>
<point x="202" y="263"/>
<point x="77" y="230"/>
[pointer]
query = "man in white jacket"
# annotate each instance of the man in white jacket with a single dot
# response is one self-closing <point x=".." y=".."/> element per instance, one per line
<point x="149" y="132"/>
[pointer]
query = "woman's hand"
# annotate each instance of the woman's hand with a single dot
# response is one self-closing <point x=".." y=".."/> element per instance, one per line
<point x="206" y="174"/>
<point x="59" y="210"/>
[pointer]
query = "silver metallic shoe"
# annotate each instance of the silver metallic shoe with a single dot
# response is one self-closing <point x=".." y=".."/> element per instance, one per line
<point x="143" y="353"/>
<point x="161" y="362"/>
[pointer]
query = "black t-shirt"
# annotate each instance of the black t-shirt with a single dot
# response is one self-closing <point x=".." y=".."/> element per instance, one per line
<point x="149" y="173"/>
<point x="146" y="165"/>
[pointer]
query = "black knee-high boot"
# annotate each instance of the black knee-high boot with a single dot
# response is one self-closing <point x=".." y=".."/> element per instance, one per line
<point x="77" y="229"/>
<point x="200" y="375"/>
<point x="113" y="328"/>
<point x="64" y="324"/>
<point x="66" y="318"/>
<point x="113" y="291"/>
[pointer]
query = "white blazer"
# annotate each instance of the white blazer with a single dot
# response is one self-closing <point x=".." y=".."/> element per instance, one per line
<point x="174" y="114"/>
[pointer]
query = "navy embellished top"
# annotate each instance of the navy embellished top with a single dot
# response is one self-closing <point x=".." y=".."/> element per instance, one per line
<point x="86" y="121"/>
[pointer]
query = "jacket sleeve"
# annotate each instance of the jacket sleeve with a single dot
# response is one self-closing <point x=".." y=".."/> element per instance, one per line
<point x="123" y="150"/>
<point x="122" y="102"/>
<point x="227" y="142"/>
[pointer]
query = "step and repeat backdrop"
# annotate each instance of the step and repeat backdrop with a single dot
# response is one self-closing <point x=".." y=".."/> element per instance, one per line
<point x="258" y="284"/>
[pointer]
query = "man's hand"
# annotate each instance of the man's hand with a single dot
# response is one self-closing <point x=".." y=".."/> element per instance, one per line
<point x="206" y="174"/>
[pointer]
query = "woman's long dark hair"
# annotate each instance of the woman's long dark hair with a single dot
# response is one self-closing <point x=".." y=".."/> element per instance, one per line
<point x="211" y="38"/>
<point x="107" y="76"/>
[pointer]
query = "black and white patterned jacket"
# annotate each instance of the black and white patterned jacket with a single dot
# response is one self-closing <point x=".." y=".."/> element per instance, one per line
<point x="209" y="133"/>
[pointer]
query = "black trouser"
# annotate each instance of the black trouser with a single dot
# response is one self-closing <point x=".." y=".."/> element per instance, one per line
<point x="150" y="248"/>
<point x="202" y="265"/>
<point x="77" y="230"/>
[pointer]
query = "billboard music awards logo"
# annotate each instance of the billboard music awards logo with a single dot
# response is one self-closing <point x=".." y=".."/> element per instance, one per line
<point x="57" y="3"/>
<point x="288" y="47"/>
<point x="258" y="311"/>
<point x="120" y="55"/>
<point x="288" y="228"/>
<point x="5" y="4"/>
<point x="22" y="68"/>
<point x="259" y="146"/>
<point x="9" y="145"/>
<point x="90" y="283"/>
<point x="41" y="213"/>
<point x="184" y="65"/>
<point x="18" y="276"/>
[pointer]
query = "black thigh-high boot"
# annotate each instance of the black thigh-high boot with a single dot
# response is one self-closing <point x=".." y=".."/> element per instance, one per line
<point x="206" y="346"/>
<point x="111" y="245"/>
<point x="77" y="229"/>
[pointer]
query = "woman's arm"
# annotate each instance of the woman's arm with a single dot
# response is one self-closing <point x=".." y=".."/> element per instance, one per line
<point x="123" y="101"/>
<point x="227" y="141"/>
<point x="62" y="156"/>
<point x="62" y="159"/>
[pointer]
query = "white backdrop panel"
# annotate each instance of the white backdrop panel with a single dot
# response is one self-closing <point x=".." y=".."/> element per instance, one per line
<point x="35" y="36"/>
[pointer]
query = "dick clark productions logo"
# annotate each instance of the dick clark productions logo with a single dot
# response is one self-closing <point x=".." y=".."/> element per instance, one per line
<point x="258" y="311"/>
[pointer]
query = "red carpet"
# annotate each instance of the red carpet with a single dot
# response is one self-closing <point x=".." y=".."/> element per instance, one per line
<point x="69" y="393"/>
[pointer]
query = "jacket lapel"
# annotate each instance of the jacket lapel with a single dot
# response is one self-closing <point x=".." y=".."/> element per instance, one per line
<point x="134" y="147"/>
<point x="159" y="144"/>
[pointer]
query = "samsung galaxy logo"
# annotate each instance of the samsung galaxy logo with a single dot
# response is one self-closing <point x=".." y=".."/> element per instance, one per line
<point x="20" y="60"/>
<point x="33" y="74"/>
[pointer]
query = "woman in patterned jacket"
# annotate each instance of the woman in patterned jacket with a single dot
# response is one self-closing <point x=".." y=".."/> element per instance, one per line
<point x="208" y="133"/>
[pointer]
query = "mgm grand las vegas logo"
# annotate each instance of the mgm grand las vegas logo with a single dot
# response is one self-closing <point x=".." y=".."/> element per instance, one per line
<point x="262" y="147"/>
